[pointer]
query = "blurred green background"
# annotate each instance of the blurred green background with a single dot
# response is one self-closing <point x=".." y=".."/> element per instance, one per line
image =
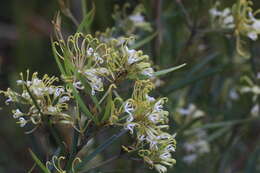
<point x="212" y="73"/>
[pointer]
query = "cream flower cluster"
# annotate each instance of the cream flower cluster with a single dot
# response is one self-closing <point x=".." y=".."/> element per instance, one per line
<point x="147" y="120"/>
<point x="241" y="18"/>
<point x="253" y="27"/>
<point x="42" y="98"/>
<point x="255" y="90"/>
<point x="222" y="18"/>
<point x="196" y="146"/>
<point x="99" y="62"/>
<point x="130" y="24"/>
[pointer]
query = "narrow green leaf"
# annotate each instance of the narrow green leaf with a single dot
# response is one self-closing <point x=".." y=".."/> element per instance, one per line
<point x="165" y="71"/>
<point x="88" y="19"/>
<point x="217" y="134"/>
<point x="38" y="162"/>
<point x="100" y="148"/>
<point x="108" y="108"/>
<point x="144" y="41"/>
<point x="188" y="81"/>
<point x="204" y="62"/>
<point x="84" y="7"/>
<point x="57" y="59"/>
<point x="222" y="124"/>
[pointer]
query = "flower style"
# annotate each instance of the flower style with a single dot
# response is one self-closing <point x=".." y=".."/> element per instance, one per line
<point x="57" y="165"/>
<point x="147" y="120"/>
<point x="87" y="56"/>
<point x="43" y="99"/>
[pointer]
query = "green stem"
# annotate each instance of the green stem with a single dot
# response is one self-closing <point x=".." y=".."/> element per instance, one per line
<point x="84" y="8"/>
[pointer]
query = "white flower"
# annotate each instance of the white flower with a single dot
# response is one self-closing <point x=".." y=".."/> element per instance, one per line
<point x="164" y="136"/>
<point x="64" y="99"/>
<point x="36" y="81"/>
<point x="51" y="90"/>
<point x="255" y="110"/>
<point x="141" y="137"/>
<point x="96" y="85"/>
<point x="130" y="127"/>
<point x="214" y="12"/>
<point x="130" y="118"/>
<point x="102" y="70"/>
<point x="94" y="80"/>
<point x="78" y="85"/>
<point x="226" y="12"/>
<point x="165" y="156"/>
<point x="28" y="83"/>
<point x="258" y="75"/>
<point x="38" y="91"/>
<point x="228" y="20"/>
<point x="190" y="158"/>
<point x="52" y="109"/>
<point x="252" y="35"/>
<point x="160" y="168"/>
<point x="58" y="92"/>
<point x="256" y="24"/>
<point x="137" y="18"/>
<point x="129" y="107"/>
<point x="233" y="94"/>
<point x="132" y="58"/>
<point x="158" y="105"/>
<point x="170" y="148"/>
<point x="19" y="82"/>
<point x="202" y="146"/>
<point x="17" y="113"/>
<point x="191" y="109"/>
<point x="8" y="101"/>
<point x="90" y="51"/>
<point x="154" y="118"/>
<point x="152" y="140"/>
<point x="22" y="122"/>
<point x="189" y="147"/>
<point x="149" y="98"/>
<point x="148" y="72"/>
<point x="98" y="58"/>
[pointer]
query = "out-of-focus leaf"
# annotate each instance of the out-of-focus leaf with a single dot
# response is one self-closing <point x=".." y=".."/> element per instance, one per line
<point x="187" y="81"/>
<point x="88" y="19"/>
<point x="252" y="161"/>
<point x="165" y="71"/>
<point x="205" y="61"/>
<point x="57" y="59"/>
<point x="144" y="41"/>
<point x="108" y="107"/>
<point x="223" y="124"/>
<point x="38" y="162"/>
<point x="217" y="134"/>
<point x="100" y="148"/>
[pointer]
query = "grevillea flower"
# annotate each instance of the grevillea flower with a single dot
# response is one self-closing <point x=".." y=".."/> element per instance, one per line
<point x="99" y="62"/>
<point x="42" y="99"/>
<point x="147" y="120"/>
<point x="240" y="19"/>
